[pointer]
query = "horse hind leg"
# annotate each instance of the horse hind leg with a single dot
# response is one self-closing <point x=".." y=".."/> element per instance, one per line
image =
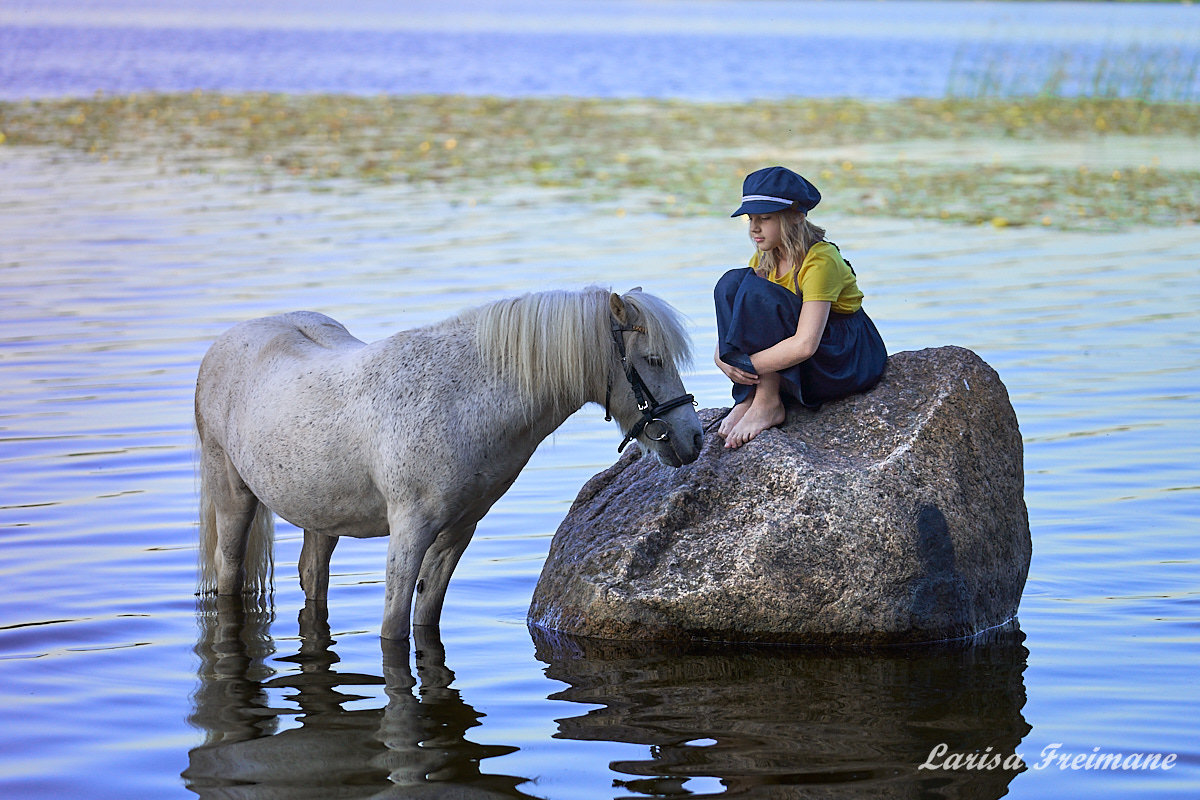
<point x="314" y="565"/>
<point x="436" y="569"/>
<point x="236" y="530"/>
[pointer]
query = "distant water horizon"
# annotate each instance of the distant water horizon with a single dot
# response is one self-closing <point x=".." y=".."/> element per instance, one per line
<point x="702" y="50"/>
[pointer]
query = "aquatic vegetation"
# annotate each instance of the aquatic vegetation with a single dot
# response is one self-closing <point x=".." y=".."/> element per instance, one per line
<point x="1152" y="72"/>
<point x="673" y="157"/>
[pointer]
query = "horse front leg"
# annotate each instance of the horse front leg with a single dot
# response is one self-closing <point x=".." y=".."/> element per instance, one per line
<point x="436" y="570"/>
<point x="408" y="542"/>
<point x="314" y="565"/>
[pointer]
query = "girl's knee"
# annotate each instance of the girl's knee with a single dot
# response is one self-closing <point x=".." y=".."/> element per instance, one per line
<point x="728" y="284"/>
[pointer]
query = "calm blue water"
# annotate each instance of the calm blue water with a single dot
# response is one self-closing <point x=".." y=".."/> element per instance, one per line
<point x="116" y="683"/>
<point x="695" y="49"/>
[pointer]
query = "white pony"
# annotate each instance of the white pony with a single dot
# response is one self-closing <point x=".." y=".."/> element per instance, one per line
<point x="416" y="436"/>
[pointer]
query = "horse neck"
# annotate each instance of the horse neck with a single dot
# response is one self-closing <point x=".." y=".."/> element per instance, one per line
<point x="557" y="396"/>
<point x="550" y="369"/>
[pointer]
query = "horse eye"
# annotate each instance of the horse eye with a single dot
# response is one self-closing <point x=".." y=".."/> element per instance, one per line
<point x="654" y="361"/>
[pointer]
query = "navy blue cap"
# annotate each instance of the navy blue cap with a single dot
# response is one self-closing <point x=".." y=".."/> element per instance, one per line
<point x="776" y="189"/>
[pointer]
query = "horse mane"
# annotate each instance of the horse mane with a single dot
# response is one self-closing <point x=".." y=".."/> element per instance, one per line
<point x="557" y="345"/>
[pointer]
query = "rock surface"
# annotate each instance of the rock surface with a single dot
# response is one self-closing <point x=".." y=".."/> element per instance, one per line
<point x="896" y="516"/>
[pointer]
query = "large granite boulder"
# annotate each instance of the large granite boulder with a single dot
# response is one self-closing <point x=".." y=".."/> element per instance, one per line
<point x="896" y="516"/>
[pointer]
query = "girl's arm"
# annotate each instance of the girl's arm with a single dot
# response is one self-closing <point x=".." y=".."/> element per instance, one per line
<point x="798" y="347"/>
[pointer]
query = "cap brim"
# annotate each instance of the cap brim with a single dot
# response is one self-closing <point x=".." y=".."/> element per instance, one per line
<point x="760" y="207"/>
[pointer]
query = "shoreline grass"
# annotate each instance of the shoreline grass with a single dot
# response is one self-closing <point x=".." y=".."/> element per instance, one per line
<point x="681" y="158"/>
<point x="1162" y="72"/>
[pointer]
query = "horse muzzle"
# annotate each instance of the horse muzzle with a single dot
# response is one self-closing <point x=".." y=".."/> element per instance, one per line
<point x="680" y="451"/>
<point x="674" y="444"/>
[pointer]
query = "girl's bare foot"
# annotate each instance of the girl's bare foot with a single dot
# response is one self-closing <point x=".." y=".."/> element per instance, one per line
<point x="734" y="417"/>
<point x="757" y="419"/>
<point x="766" y="411"/>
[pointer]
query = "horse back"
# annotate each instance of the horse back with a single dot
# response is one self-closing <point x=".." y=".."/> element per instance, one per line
<point x="301" y="332"/>
<point x="247" y="356"/>
<point x="298" y="334"/>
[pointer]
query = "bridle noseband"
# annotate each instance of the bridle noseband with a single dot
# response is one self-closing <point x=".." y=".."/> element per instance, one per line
<point x="646" y="403"/>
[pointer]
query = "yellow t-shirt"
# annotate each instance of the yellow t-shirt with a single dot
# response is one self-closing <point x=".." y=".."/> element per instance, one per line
<point x="824" y="275"/>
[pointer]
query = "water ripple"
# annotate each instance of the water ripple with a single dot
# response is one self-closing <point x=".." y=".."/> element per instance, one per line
<point x="115" y="280"/>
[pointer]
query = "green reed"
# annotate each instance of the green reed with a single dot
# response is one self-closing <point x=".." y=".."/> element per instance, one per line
<point x="1136" y="71"/>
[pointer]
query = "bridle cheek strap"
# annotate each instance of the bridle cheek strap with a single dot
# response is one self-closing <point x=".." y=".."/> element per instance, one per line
<point x="646" y="403"/>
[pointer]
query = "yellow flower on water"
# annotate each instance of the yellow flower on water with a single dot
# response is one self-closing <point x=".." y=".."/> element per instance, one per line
<point x="424" y="147"/>
<point x="2" y="137"/>
<point x="999" y="222"/>
<point x="450" y="144"/>
<point x="1116" y="176"/>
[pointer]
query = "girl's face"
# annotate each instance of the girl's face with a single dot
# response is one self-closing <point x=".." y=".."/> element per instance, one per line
<point x="765" y="231"/>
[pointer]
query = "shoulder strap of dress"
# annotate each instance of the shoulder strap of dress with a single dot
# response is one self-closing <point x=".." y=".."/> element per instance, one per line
<point x="848" y="264"/>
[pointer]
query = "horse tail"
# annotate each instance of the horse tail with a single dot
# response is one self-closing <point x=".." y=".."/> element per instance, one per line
<point x="260" y="553"/>
<point x="259" y="560"/>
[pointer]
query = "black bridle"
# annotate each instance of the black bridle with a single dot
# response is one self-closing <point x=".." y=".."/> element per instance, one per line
<point x="646" y="403"/>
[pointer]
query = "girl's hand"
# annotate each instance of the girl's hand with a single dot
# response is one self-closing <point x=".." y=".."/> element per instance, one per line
<point x="734" y="374"/>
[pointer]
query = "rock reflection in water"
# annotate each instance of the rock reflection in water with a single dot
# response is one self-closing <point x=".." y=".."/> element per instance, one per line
<point x="415" y="746"/>
<point x="787" y="722"/>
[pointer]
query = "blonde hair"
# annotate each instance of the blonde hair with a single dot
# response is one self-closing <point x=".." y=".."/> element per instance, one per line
<point x="798" y="234"/>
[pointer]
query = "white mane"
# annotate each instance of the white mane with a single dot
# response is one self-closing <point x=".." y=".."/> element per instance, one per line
<point x="558" y="344"/>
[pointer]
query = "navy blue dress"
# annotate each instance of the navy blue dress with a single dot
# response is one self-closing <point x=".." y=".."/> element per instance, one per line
<point x="753" y="314"/>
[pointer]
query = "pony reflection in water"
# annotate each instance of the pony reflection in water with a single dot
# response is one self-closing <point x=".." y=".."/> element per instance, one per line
<point x="416" y="436"/>
<point x="296" y="726"/>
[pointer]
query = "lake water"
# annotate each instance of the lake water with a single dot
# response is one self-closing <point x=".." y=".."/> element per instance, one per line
<point x="696" y="49"/>
<point x="113" y="681"/>
<point x="116" y="682"/>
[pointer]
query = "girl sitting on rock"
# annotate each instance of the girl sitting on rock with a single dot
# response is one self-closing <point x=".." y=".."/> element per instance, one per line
<point x="790" y="327"/>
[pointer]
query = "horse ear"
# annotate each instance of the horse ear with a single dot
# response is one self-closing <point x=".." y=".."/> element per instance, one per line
<point x="617" y="306"/>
